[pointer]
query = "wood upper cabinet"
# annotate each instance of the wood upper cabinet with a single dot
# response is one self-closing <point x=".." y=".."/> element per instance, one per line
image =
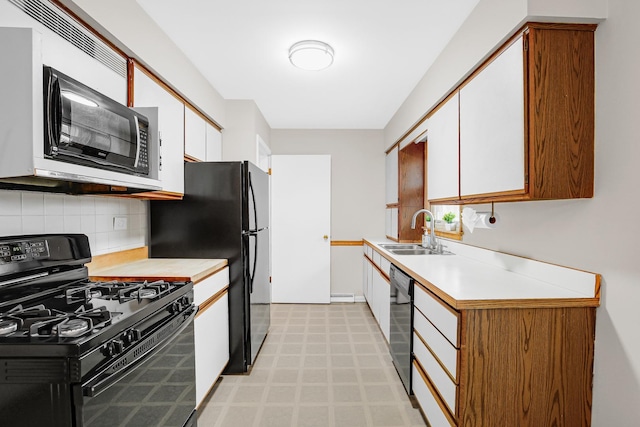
<point x="443" y="151"/>
<point x="526" y="121"/>
<point x="411" y="162"/>
<point x="408" y="170"/>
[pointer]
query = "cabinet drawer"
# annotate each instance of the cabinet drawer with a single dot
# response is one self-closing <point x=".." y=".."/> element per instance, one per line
<point x="377" y="258"/>
<point x="441" y="347"/>
<point x="428" y="402"/>
<point x="208" y="287"/>
<point x="443" y="317"/>
<point x="369" y="251"/>
<point x="385" y="265"/>
<point x="439" y="377"/>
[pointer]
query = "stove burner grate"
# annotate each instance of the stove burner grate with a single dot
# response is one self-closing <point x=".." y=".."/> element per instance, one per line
<point x="37" y="322"/>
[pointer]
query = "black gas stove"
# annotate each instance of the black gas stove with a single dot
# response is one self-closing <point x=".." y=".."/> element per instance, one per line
<point x="79" y="353"/>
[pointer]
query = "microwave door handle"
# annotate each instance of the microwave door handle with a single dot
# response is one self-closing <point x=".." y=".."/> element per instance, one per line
<point x="135" y="163"/>
<point x="54" y="116"/>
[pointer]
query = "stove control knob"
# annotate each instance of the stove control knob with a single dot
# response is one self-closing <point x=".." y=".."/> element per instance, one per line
<point x="108" y="349"/>
<point x="175" y="307"/>
<point x="130" y="336"/>
<point x="118" y="346"/>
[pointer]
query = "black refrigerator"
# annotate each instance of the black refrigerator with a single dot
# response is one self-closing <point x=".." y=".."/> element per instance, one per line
<point x="224" y="214"/>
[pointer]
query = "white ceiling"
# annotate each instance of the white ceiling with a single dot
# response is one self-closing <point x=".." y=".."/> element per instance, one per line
<point x="382" y="49"/>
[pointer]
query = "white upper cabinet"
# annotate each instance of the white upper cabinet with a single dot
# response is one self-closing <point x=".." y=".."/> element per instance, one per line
<point x="391" y="174"/>
<point x="195" y="139"/>
<point x="148" y="93"/>
<point x="492" y="157"/>
<point x="442" y="151"/>
<point x="214" y="144"/>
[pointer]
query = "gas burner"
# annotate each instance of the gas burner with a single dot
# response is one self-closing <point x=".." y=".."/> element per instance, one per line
<point x="72" y="328"/>
<point x="144" y="293"/>
<point x="40" y="323"/>
<point x="128" y="291"/>
<point x="8" y="327"/>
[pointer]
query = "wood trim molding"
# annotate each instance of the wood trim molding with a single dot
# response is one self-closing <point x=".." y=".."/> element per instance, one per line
<point x="212" y="300"/>
<point x="115" y="258"/>
<point x="395" y="144"/>
<point x="174" y="93"/>
<point x="347" y="243"/>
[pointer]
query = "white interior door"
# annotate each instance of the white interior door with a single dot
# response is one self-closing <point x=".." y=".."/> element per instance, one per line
<point x="300" y="228"/>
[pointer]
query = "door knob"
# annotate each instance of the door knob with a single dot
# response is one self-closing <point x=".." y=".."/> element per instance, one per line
<point x="325" y="237"/>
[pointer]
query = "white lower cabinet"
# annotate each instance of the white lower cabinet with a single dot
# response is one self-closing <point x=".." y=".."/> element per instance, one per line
<point x="211" y="331"/>
<point x="428" y="402"/>
<point x="435" y="370"/>
<point x="376" y="290"/>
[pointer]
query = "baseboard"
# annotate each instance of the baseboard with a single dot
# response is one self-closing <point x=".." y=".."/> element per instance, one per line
<point x="346" y="298"/>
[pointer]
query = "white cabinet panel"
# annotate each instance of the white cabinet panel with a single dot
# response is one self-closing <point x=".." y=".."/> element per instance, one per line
<point x="442" y="152"/>
<point x="212" y="345"/>
<point x="440" y="316"/>
<point x="391" y="223"/>
<point x="439" y="377"/>
<point x="214" y="144"/>
<point x="442" y="348"/>
<point x="381" y="303"/>
<point x="391" y="174"/>
<point x="492" y="126"/>
<point x="148" y="93"/>
<point x="427" y="401"/>
<point x="209" y="286"/>
<point x="195" y="135"/>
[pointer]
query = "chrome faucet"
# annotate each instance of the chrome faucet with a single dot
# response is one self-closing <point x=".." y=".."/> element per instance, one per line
<point x="434" y="245"/>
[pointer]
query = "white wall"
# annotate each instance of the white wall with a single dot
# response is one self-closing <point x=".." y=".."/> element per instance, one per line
<point x="36" y="213"/>
<point x="133" y="31"/>
<point x="598" y="234"/>
<point x="488" y="25"/>
<point x="357" y="191"/>
<point x="244" y="122"/>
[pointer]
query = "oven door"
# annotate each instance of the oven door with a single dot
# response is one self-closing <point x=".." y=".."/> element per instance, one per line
<point x="153" y="384"/>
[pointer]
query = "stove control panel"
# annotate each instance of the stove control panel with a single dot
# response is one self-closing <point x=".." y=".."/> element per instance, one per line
<point x="11" y="252"/>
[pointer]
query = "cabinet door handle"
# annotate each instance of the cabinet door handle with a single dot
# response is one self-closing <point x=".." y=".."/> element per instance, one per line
<point x="325" y="237"/>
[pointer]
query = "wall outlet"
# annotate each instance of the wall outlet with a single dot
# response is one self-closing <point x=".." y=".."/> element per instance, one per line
<point x="119" y="222"/>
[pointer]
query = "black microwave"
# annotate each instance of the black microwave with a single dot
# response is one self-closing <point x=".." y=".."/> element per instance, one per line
<point x="85" y="127"/>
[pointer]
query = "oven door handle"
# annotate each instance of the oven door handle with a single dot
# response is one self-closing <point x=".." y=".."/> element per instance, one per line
<point x="124" y="365"/>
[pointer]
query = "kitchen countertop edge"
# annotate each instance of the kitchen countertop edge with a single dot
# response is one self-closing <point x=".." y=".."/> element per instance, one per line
<point x="431" y="276"/>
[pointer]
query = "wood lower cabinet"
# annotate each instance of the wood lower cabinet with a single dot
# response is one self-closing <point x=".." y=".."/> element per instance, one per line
<point x="211" y="331"/>
<point x="502" y="366"/>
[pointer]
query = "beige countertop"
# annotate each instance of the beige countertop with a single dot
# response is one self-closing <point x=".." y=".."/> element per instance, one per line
<point x="170" y="269"/>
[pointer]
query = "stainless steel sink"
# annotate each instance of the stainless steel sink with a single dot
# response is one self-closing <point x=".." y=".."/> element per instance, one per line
<point x="417" y="251"/>
<point x="394" y="246"/>
<point x="410" y="249"/>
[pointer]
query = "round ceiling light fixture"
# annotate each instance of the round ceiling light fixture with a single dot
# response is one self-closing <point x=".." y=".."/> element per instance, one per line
<point x="312" y="55"/>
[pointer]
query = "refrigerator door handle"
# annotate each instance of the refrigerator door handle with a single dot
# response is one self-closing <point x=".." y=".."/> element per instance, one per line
<point x="255" y="261"/>
<point x="253" y="199"/>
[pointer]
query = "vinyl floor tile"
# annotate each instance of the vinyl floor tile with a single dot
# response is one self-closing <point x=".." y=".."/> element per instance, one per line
<point x="320" y="366"/>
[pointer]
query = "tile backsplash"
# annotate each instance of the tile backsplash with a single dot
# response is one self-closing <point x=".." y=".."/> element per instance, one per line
<point x="26" y="212"/>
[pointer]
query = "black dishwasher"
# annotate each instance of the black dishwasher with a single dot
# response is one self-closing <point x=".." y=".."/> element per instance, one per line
<point x="401" y="323"/>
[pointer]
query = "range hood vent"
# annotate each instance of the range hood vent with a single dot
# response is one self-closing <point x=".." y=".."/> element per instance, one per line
<point x="63" y="25"/>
